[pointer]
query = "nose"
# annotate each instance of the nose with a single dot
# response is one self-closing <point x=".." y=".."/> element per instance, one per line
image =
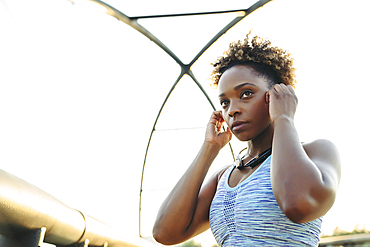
<point x="234" y="109"/>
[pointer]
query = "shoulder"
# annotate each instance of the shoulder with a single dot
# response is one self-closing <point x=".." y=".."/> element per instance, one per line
<point x="321" y="149"/>
<point x="221" y="172"/>
<point x="211" y="185"/>
<point x="326" y="157"/>
<point x="216" y="177"/>
<point x="319" y="142"/>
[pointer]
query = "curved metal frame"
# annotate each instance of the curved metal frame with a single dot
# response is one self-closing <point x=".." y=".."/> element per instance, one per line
<point x="185" y="68"/>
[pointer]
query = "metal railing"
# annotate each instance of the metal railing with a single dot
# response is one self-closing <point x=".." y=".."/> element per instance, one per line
<point x="27" y="210"/>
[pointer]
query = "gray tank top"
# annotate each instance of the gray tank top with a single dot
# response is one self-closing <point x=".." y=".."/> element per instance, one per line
<point x="248" y="214"/>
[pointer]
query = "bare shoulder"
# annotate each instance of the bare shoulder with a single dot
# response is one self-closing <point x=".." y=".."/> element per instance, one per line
<point x="215" y="178"/>
<point x="220" y="172"/>
<point x="325" y="155"/>
<point x="209" y="188"/>
<point x="321" y="149"/>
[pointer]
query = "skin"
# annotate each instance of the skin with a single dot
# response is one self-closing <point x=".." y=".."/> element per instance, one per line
<point x="304" y="177"/>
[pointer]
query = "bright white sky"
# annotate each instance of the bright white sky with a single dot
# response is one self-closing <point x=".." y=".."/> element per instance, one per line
<point x="79" y="92"/>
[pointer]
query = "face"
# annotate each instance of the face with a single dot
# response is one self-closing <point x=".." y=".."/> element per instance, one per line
<point x="242" y="95"/>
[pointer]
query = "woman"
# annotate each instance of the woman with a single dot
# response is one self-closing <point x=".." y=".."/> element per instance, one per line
<point x="278" y="191"/>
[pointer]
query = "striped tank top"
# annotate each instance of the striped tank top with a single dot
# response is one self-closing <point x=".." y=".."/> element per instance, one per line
<point x="248" y="214"/>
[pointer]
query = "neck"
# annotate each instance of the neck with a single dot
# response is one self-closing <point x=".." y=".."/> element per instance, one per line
<point x="261" y="142"/>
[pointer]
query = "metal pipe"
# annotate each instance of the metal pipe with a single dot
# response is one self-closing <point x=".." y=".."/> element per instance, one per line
<point x="23" y="206"/>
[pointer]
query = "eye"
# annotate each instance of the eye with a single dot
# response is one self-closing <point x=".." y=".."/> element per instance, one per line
<point x="246" y="94"/>
<point x="224" y="103"/>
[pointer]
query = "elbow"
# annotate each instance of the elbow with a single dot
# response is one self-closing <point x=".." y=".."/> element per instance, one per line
<point x="300" y="211"/>
<point x="295" y="214"/>
<point x="169" y="233"/>
<point x="160" y="235"/>
<point x="163" y="236"/>
<point x="307" y="208"/>
<point x="160" y="232"/>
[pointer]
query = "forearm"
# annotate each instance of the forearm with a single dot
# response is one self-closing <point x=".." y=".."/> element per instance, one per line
<point x="295" y="178"/>
<point x="287" y="148"/>
<point x="177" y="211"/>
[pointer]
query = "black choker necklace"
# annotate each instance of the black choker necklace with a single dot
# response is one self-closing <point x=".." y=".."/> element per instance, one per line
<point x="253" y="162"/>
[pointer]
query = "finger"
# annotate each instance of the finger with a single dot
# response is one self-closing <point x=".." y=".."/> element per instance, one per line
<point x="219" y="123"/>
<point x="215" y="116"/>
<point x="291" y="89"/>
<point x="227" y="133"/>
<point x="277" y="88"/>
<point x="288" y="89"/>
<point x="217" y="120"/>
<point x="213" y="119"/>
<point x="218" y="115"/>
<point x="221" y="118"/>
<point x="228" y="130"/>
<point x="283" y="87"/>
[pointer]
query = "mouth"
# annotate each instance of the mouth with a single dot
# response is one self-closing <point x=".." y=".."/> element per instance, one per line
<point x="238" y="125"/>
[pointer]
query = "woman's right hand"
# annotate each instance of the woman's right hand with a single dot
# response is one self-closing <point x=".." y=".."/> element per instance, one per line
<point x="214" y="133"/>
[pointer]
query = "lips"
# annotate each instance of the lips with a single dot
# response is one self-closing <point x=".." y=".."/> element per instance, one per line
<point x="238" y="125"/>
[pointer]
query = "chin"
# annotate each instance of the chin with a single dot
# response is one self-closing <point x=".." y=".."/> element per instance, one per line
<point x="251" y="134"/>
<point x="242" y="137"/>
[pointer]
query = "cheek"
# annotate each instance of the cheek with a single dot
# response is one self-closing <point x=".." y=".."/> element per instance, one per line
<point x="261" y="111"/>
<point x="227" y="119"/>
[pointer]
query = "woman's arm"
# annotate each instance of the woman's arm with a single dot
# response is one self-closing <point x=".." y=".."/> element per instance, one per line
<point x="304" y="178"/>
<point x="184" y="213"/>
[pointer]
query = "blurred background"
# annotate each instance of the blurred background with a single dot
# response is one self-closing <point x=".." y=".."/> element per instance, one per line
<point x="80" y="92"/>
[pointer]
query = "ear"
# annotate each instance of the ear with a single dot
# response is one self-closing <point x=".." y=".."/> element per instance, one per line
<point x="267" y="98"/>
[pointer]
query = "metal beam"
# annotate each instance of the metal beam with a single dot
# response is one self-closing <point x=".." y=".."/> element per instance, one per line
<point x="25" y="208"/>
<point x="110" y="10"/>
<point x="346" y="240"/>
<point x="187" y="14"/>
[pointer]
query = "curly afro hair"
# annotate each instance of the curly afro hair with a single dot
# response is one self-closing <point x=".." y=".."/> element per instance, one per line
<point x="272" y="63"/>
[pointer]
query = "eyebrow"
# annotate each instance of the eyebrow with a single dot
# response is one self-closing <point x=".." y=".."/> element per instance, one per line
<point x="238" y="87"/>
